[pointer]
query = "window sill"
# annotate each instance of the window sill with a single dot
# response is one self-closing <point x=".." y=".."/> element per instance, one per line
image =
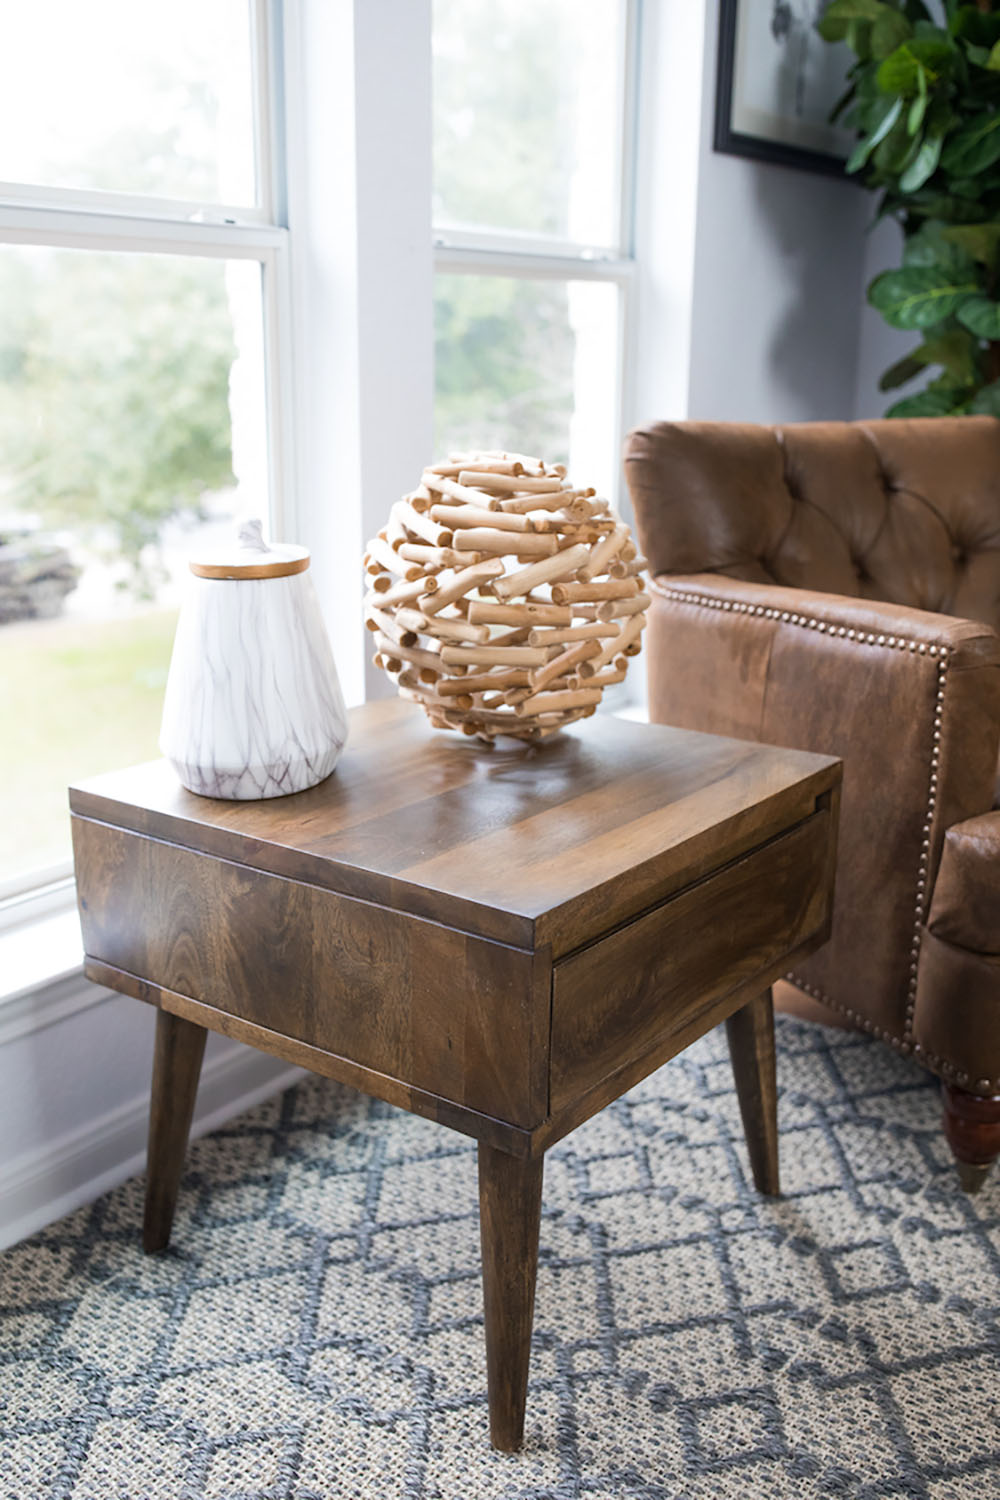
<point x="39" y="954"/>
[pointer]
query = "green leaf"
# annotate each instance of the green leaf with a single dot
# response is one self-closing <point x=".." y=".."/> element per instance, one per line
<point x="841" y="14"/>
<point x="986" y="402"/>
<point x="864" y="148"/>
<point x="993" y="61"/>
<point x="842" y="103"/>
<point x="981" y="241"/>
<point x="924" y="404"/>
<point x="919" y="296"/>
<point x="974" y="147"/>
<point x="931" y="246"/>
<point x="931" y="32"/>
<point x="903" y="370"/>
<point x="889" y="30"/>
<point x="855" y="10"/>
<point x="900" y="72"/>
<point x="981" y="316"/>
<point x="955" y="350"/>
<point x="893" y="155"/>
<point x="974" y="25"/>
<point x="923" y="165"/>
<point x="965" y="187"/>
<point x="933" y="205"/>
<point x="858" y="38"/>
<point x="915" y="118"/>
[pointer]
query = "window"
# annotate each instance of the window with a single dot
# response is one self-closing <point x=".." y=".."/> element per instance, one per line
<point x="145" y="289"/>
<point x="532" y="227"/>
<point x="141" y="305"/>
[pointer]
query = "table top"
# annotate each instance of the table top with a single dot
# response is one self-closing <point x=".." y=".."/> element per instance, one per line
<point x="531" y="845"/>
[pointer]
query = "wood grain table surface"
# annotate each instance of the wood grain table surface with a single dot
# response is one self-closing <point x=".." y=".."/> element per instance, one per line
<point x="503" y="940"/>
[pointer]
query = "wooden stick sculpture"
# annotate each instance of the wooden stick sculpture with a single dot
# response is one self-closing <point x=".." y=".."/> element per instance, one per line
<point x="502" y="599"/>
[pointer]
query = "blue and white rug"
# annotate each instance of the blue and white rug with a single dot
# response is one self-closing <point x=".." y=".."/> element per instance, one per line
<point x="315" y="1333"/>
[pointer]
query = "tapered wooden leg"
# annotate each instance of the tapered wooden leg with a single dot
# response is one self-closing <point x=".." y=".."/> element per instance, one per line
<point x="510" y="1206"/>
<point x="751" y="1051"/>
<point x="180" y="1046"/>
<point x="972" y="1126"/>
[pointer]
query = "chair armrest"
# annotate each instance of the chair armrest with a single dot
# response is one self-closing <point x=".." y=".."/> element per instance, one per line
<point x="957" y="1012"/>
<point x="965" y="909"/>
<point x="909" y="700"/>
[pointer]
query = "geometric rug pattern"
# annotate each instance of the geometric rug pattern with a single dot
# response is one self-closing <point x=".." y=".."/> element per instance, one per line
<point x="315" y="1330"/>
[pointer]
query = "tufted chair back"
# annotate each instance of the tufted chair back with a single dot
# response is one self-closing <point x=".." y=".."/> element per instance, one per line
<point x="905" y="512"/>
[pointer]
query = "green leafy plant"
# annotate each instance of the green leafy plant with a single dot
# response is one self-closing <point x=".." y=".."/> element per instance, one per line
<point x="924" y="97"/>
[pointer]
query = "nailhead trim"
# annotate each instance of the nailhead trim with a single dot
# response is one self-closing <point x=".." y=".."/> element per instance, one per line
<point x="905" y="1043"/>
<point x="925" y="843"/>
<point x="907" y="1048"/>
<point x="788" y="617"/>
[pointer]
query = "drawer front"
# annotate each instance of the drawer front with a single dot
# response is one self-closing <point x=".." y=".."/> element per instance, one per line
<point x="626" y="995"/>
<point x="455" y="1015"/>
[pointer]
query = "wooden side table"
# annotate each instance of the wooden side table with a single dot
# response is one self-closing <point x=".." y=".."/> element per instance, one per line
<point x="503" y="941"/>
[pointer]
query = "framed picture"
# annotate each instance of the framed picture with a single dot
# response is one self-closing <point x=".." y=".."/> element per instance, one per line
<point x="777" y="83"/>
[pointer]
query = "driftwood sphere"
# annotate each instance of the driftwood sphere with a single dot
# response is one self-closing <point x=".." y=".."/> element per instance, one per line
<point x="502" y="599"/>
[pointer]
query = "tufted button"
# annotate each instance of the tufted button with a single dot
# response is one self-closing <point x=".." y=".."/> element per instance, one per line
<point x="958" y="556"/>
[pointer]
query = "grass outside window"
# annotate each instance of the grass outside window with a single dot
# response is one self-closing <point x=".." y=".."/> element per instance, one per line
<point x="79" y="697"/>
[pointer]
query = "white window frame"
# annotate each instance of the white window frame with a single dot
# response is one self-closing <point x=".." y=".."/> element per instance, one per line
<point x="32" y="214"/>
<point x="513" y="253"/>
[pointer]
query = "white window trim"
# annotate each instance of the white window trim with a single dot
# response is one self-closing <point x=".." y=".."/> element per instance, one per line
<point x="98" y="229"/>
<point x="128" y="205"/>
<point x="562" y="265"/>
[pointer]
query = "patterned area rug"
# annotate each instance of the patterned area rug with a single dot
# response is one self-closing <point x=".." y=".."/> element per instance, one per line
<point x="315" y="1332"/>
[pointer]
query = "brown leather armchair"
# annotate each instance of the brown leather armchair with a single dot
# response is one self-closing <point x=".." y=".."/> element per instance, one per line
<point x="836" y="586"/>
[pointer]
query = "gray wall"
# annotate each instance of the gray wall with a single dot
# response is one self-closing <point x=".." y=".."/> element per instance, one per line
<point x="780" y="267"/>
<point x="879" y="346"/>
<point x="750" y="277"/>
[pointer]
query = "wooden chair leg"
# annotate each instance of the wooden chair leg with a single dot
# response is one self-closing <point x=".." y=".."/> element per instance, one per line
<point x="972" y="1127"/>
<point x="180" y="1046"/>
<point x="750" y="1032"/>
<point x="510" y="1206"/>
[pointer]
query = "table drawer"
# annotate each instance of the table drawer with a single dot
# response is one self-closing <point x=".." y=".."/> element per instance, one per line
<point x="398" y="995"/>
<point x="626" y="995"/>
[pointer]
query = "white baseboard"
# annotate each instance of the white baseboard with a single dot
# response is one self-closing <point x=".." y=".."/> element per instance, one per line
<point x="43" y="1185"/>
<point x="46" y="1003"/>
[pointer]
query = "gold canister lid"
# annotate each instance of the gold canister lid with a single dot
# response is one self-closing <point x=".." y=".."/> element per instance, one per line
<point x="251" y="557"/>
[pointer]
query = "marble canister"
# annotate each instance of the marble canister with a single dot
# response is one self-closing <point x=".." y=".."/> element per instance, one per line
<point x="253" y="705"/>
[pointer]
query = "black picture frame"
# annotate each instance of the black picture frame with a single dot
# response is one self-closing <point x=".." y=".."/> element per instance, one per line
<point x="760" y="147"/>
